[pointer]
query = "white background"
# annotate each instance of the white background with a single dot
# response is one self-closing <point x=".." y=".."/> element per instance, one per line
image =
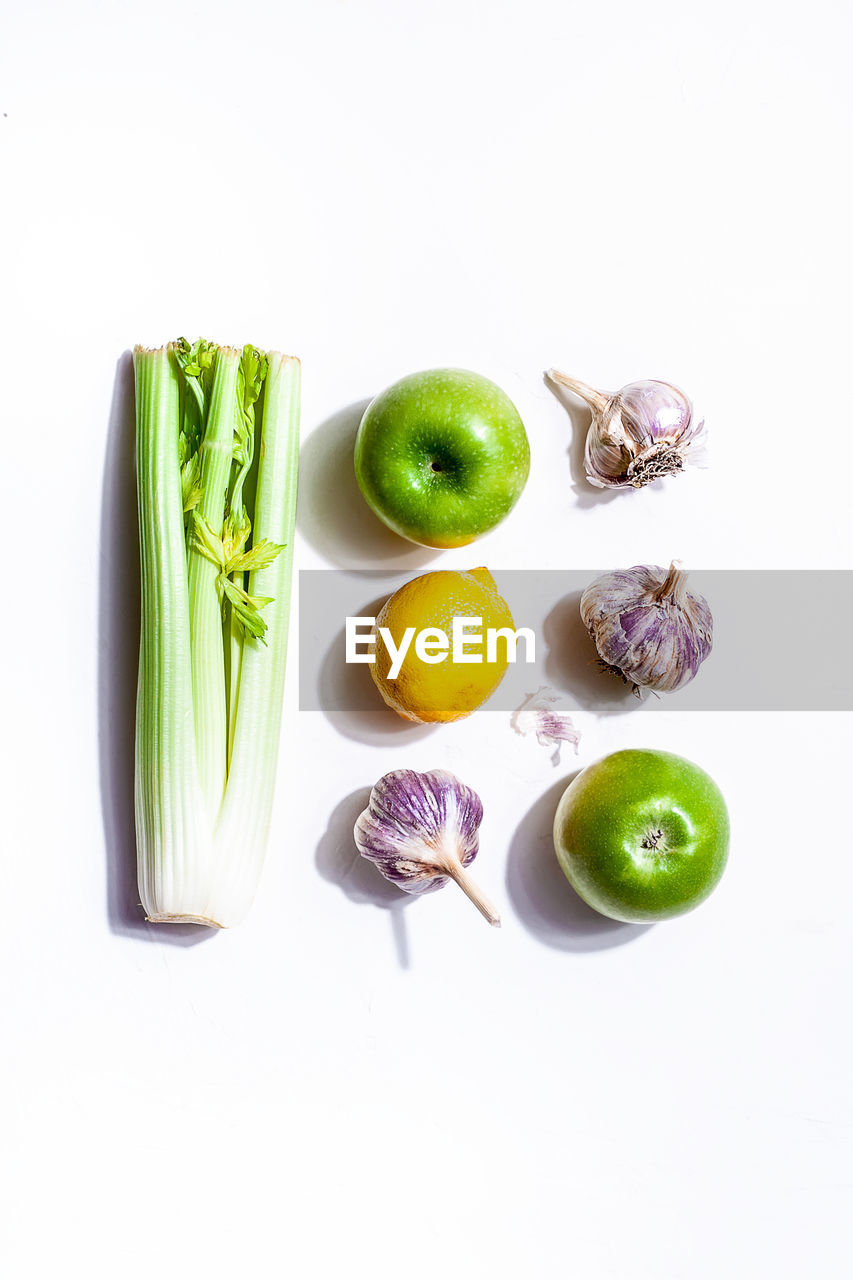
<point x="350" y="1084"/>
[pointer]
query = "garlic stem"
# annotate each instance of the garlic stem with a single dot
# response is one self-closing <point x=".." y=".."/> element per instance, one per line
<point x="597" y="400"/>
<point x="469" y="887"/>
<point x="674" y="585"/>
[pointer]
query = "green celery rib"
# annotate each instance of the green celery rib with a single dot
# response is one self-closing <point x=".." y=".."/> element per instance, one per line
<point x="208" y="660"/>
<point x="241" y="832"/>
<point x="233" y="639"/>
<point x="233" y="634"/>
<point x="174" y="839"/>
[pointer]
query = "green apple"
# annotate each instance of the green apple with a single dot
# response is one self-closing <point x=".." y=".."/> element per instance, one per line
<point x="642" y="835"/>
<point x="442" y="456"/>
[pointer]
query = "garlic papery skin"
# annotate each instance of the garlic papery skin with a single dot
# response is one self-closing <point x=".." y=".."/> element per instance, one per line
<point x="421" y="829"/>
<point x="647" y="626"/>
<point x="539" y="714"/>
<point x="645" y="431"/>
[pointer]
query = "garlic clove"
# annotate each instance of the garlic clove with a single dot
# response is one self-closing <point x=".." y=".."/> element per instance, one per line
<point x="648" y="627"/>
<point x="538" y="714"/>
<point x="421" y="829"/>
<point x="644" y="431"/>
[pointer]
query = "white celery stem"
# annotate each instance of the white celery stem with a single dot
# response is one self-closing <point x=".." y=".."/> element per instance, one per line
<point x="208" y="661"/>
<point x="241" y="833"/>
<point x="173" y="838"/>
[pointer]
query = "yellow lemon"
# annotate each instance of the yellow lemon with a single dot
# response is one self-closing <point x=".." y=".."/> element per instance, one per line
<point x="428" y="685"/>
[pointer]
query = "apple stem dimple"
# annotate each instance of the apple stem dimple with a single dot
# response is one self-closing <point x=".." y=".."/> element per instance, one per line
<point x="653" y="839"/>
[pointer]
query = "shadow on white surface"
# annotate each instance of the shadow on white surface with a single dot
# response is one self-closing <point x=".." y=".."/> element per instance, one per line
<point x="332" y="514"/>
<point x="118" y="654"/>
<point x="541" y="895"/>
<point x="572" y="666"/>
<point x="351" y="701"/>
<point x="339" y="861"/>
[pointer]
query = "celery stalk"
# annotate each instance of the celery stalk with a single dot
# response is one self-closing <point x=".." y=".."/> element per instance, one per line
<point x="174" y="835"/>
<point x="208" y="661"/>
<point x="241" y="832"/>
<point x="212" y="651"/>
<point x="254" y="366"/>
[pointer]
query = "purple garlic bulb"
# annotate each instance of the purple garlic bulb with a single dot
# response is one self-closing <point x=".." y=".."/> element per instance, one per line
<point x="647" y="627"/>
<point x="646" y="430"/>
<point x="421" y="829"/>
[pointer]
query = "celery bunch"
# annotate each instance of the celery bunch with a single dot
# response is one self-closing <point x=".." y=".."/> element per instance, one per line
<point x="217" y="505"/>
